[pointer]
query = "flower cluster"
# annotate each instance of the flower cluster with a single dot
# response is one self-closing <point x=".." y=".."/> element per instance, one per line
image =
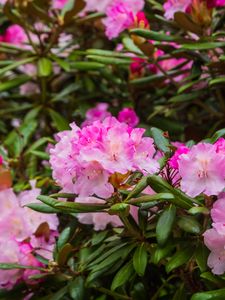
<point x="84" y="159"/>
<point x="23" y="232"/>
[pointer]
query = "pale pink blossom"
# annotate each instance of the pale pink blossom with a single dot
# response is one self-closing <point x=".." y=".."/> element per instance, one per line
<point x="128" y="116"/>
<point x="216" y="244"/>
<point x="84" y="159"/>
<point x="173" y="6"/>
<point x="96" y="5"/>
<point x="202" y="170"/>
<point x="120" y="15"/>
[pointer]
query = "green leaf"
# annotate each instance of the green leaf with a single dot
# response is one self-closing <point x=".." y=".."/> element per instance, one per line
<point x="40" y="154"/>
<point x="212" y="295"/>
<point x="201" y="255"/>
<point x="98" y="237"/>
<point x="64" y="237"/>
<point x="110" y="60"/>
<point x="220" y="80"/>
<point x="154" y="35"/>
<point x="59" y="122"/>
<point x="159" y="185"/>
<point x="13" y="83"/>
<point x="160" y="140"/>
<point x="203" y="45"/>
<point x="165" y="224"/>
<point x="107" y="53"/>
<point x="185" y="97"/>
<point x="61" y="62"/>
<point x="142" y="184"/>
<point x="122" y="276"/>
<point x="140" y="260"/>
<point x="130" y="46"/>
<point x="161" y="253"/>
<point x="189" y="224"/>
<point x="17" y="266"/>
<point x="179" y="258"/>
<point x="17" y="64"/>
<point x="44" y="67"/>
<point x="76" y="288"/>
<point x="86" y="65"/>
<point x="42" y="208"/>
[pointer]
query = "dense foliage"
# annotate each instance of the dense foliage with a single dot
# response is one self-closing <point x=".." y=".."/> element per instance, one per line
<point x="112" y="154"/>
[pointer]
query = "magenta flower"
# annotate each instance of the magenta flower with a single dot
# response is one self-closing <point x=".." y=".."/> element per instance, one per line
<point x="173" y="161"/>
<point x="15" y="35"/>
<point x="98" y="113"/>
<point x="202" y="170"/>
<point x="120" y="16"/>
<point x="128" y="116"/>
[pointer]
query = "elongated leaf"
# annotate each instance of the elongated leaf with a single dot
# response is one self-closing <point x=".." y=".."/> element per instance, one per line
<point x="153" y="35"/>
<point x="44" y="67"/>
<point x="42" y="208"/>
<point x="189" y="224"/>
<point x="76" y="288"/>
<point x="59" y="121"/>
<point x="122" y="276"/>
<point x="86" y="65"/>
<point x="140" y="260"/>
<point x="179" y="258"/>
<point x="165" y="224"/>
<point x="109" y="60"/>
<point x="13" y="83"/>
<point x="160" y="140"/>
<point x="212" y="295"/>
<point x="17" y="64"/>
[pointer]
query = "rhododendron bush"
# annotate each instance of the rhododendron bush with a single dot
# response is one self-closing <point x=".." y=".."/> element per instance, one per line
<point x="112" y="149"/>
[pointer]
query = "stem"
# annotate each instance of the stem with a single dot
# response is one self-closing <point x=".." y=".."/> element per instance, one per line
<point x="43" y="89"/>
<point x="113" y="294"/>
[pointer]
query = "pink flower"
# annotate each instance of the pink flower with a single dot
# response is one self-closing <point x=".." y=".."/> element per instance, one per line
<point x="202" y="170"/>
<point x="84" y="159"/>
<point x="216" y="244"/>
<point x="173" y="161"/>
<point x="120" y="16"/>
<point x="218" y="210"/>
<point x="173" y="6"/>
<point x="128" y="116"/>
<point x="98" y="113"/>
<point x="96" y="5"/>
<point x="15" y="35"/>
<point x="59" y="4"/>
